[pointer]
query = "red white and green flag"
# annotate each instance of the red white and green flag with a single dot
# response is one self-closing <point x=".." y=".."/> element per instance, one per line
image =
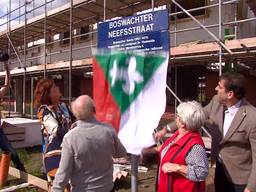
<point x="129" y="92"/>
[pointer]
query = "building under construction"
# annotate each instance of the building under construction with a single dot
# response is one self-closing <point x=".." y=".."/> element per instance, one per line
<point x="55" y="38"/>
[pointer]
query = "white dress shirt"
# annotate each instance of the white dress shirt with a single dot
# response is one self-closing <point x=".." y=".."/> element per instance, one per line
<point x="229" y="116"/>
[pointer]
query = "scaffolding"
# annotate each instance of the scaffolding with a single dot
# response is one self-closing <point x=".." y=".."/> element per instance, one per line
<point x="74" y="14"/>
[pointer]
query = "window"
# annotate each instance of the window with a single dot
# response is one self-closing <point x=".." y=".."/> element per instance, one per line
<point x="56" y="37"/>
<point x="36" y="51"/>
<point x="84" y="32"/>
<point x="188" y="4"/>
<point x="66" y="36"/>
<point x="49" y="40"/>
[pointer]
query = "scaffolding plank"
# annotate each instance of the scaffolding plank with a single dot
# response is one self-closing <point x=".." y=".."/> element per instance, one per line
<point x="36" y="181"/>
<point x="194" y="49"/>
<point x="191" y="49"/>
<point x="236" y="44"/>
<point x="55" y="66"/>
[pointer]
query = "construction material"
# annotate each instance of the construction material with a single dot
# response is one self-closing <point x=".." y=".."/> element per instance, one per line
<point x="119" y="172"/>
<point x="38" y="182"/>
<point x="141" y="169"/>
<point x="14" y="188"/>
<point x="19" y="131"/>
<point x="14" y="134"/>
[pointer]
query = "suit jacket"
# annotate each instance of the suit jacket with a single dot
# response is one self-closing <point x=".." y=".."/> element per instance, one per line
<point x="86" y="158"/>
<point x="238" y="148"/>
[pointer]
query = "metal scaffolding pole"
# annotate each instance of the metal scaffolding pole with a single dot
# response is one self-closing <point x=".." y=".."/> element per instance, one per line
<point x="220" y="37"/>
<point x="176" y="97"/>
<point x="134" y="172"/>
<point x="201" y="25"/>
<point x="235" y="20"/>
<point x="176" y="68"/>
<point x="70" y="52"/>
<point x="33" y="8"/>
<point x="45" y="37"/>
<point x="104" y="10"/>
<point x="25" y="60"/>
<point x="135" y="158"/>
<point x="9" y="17"/>
<point x="19" y="11"/>
<point x="9" y="53"/>
<point x="236" y="28"/>
<point x="32" y="98"/>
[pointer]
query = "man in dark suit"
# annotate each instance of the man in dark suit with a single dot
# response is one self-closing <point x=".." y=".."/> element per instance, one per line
<point x="233" y="128"/>
<point x="232" y="125"/>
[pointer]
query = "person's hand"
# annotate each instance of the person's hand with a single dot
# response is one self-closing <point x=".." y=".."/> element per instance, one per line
<point x="247" y="190"/>
<point x="169" y="167"/>
<point x="160" y="134"/>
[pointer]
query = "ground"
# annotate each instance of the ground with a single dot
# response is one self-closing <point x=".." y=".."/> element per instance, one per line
<point x="146" y="181"/>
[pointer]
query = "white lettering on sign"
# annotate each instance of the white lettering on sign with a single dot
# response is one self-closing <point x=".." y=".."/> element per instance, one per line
<point x="131" y="31"/>
<point x="131" y="21"/>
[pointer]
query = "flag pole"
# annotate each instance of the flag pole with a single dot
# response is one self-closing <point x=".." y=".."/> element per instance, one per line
<point x="134" y="172"/>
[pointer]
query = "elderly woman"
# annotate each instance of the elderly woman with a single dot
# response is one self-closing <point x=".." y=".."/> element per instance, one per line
<point x="56" y="120"/>
<point x="183" y="160"/>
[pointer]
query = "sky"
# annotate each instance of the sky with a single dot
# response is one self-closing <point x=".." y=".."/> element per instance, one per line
<point x="4" y="4"/>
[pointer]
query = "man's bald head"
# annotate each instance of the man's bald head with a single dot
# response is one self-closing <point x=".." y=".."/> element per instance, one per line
<point x="83" y="107"/>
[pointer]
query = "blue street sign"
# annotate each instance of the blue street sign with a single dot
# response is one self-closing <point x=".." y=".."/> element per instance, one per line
<point x="133" y="25"/>
<point x="146" y="32"/>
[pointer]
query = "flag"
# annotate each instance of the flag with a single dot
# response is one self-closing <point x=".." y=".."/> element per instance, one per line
<point x="129" y="92"/>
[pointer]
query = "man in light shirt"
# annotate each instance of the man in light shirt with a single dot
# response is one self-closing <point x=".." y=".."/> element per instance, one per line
<point x="87" y="151"/>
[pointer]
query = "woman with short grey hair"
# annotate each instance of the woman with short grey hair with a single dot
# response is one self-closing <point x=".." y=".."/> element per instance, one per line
<point x="191" y="114"/>
<point x="184" y="164"/>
